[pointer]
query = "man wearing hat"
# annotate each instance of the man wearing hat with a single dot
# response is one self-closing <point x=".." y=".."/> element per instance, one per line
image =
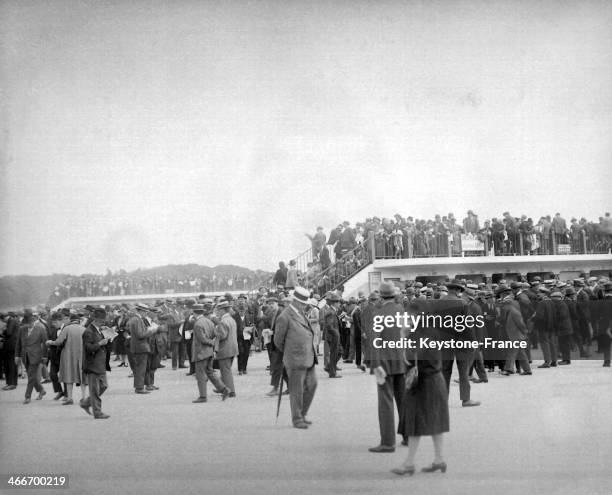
<point x="294" y="337"/>
<point x="454" y="305"/>
<point x="94" y="363"/>
<point x="367" y="315"/>
<point x="204" y="342"/>
<point x="544" y="324"/>
<point x="390" y="364"/>
<point x="54" y="354"/>
<point x="330" y="325"/>
<point x="228" y="344"/>
<point x="31" y="349"/>
<point x="583" y="315"/>
<point x="140" y="346"/>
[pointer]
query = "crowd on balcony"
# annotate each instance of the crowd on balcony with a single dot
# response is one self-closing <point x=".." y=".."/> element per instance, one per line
<point x="407" y="237"/>
<point x="346" y="250"/>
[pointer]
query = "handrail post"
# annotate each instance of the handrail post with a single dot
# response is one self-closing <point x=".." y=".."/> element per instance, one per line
<point x="554" y="242"/>
<point x="372" y="246"/>
<point x="584" y="242"/>
<point x="521" y="243"/>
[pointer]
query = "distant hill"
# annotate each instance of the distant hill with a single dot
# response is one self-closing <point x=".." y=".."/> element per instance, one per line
<point x="19" y="291"/>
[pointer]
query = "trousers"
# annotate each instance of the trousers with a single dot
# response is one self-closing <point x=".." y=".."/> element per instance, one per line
<point x="302" y="387"/>
<point x="139" y="369"/>
<point x="393" y="388"/>
<point x="33" y="371"/>
<point x="464" y="360"/>
<point x="204" y="372"/>
<point x="225" y="367"/>
<point x="244" y="349"/>
<point x="549" y="346"/>
<point x="97" y="386"/>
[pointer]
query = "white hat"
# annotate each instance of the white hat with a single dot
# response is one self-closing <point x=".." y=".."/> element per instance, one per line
<point x="301" y="295"/>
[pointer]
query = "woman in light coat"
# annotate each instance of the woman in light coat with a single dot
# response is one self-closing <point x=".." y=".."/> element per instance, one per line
<point x="70" y="339"/>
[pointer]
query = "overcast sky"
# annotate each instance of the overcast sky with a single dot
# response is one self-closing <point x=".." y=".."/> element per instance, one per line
<point x="144" y="133"/>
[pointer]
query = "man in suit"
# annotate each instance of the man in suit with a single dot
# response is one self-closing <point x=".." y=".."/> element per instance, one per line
<point x="228" y="344"/>
<point x="54" y="354"/>
<point x="94" y="363"/>
<point x="204" y="343"/>
<point x="31" y="349"/>
<point x="559" y="228"/>
<point x="244" y="319"/>
<point x="455" y="306"/>
<point x="511" y="320"/>
<point x="390" y="364"/>
<point x="330" y="325"/>
<point x="188" y="322"/>
<point x="275" y="355"/>
<point x="173" y="321"/>
<point x="11" y="335"/>
<point x="139" y="346"/>
<point x="295" y="338"/>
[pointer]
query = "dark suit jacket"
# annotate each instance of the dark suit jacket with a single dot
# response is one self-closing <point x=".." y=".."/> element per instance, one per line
<point x="11" y="334"/>
<point x="294" y="337"/>
<point x="32" y="348"/>
<point x="174" y="323"/>
<point x="94" y="354"/>
<point x="330" y="323"/>
<point x="391" y="360"/>
<point x="139" y="343"/>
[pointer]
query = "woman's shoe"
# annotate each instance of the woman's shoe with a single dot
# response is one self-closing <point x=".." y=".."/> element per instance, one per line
<point x="435" y="467"/>
<point x="68" y="402"/>
<point x="403" y="470"/>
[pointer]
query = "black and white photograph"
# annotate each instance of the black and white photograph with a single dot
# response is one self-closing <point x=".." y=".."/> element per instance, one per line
<point x="306" y="247"/>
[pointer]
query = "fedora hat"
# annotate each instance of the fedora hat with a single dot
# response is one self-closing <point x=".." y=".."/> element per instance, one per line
<point x="387" y="290"/>
<point x="301" y="295"/>
<point x="223" y="304"/>
<point x="502" y="289"/>
<point x="332" y="297"/>
<point x="455" y="284"/>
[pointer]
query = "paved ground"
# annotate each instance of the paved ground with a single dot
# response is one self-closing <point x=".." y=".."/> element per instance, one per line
<point x="548" y="433"/>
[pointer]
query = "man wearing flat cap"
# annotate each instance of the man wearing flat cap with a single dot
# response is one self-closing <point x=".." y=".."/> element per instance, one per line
<point x="294" y="337"/>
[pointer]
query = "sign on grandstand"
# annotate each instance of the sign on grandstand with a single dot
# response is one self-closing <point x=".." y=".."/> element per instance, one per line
<point x="563" y="249"/>
<point x="469" y="242"/>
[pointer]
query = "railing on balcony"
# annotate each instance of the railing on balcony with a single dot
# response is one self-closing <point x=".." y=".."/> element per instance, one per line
<point x="401" y="245"/>
<point x="340" y="271"/>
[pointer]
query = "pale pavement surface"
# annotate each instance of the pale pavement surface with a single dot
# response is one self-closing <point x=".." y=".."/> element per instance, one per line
<point x="549" y="433"/>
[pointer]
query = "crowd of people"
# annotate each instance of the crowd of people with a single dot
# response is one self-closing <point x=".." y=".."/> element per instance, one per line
<point x="296" y="327"/>
<point x="407" y="237"/>
<point x="554" y="315"/>
<point x="335" y="258"/>
<point x="123" y="284"/>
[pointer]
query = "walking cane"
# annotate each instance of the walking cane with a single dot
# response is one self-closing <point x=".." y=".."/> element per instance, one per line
<point x="280" y="396"/>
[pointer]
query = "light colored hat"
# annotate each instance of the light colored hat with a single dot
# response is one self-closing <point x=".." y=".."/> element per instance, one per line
<point x="301" y="295"/>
